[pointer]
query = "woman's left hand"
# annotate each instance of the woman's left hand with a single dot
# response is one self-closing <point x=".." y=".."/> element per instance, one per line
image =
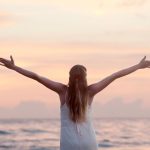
<point x="144" y="63"/>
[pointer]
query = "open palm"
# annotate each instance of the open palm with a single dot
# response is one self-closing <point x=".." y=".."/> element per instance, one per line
<point x="7" y="63"/>
<point x="144" y="63"/>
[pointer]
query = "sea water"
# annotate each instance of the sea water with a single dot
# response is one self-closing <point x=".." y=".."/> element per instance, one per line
<point x="44" y="134"/>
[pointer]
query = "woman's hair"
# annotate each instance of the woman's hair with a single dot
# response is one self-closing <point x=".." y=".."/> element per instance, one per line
<point x="77" y="93"/>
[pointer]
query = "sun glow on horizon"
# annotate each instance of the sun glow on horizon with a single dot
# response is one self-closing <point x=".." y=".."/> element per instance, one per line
<point x="50" y="37"/>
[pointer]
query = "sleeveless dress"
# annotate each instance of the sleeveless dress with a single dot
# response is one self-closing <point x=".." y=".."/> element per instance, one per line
<point x="76" y="136"/>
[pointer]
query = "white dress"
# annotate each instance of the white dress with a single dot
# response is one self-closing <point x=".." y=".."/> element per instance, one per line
<point x="76" y="136"/>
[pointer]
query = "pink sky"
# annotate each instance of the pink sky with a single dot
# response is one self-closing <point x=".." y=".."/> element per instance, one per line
<point x="49" y="37"/>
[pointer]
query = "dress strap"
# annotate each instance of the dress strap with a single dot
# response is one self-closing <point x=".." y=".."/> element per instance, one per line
<point x="66" y="95"/>
<point x="64" y="99"/>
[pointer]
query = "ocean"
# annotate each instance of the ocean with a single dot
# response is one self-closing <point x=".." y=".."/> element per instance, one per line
<point x="44" y="134"/>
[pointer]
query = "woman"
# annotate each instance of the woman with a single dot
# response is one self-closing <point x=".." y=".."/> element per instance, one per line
<point x="77" y="132"/>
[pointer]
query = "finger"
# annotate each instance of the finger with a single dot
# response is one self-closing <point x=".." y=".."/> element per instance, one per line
<point x="3" y="61"/>
<point x="2" y="64"/>
<point x="12" y="60"/>
<point x="1" y="58"/>
<point x="144" y="58"/>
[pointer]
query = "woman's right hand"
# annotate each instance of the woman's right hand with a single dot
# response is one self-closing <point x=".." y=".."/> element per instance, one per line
<point x="7" y="63"/>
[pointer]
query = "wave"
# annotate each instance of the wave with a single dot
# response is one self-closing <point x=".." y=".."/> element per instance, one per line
<point x="33" y="131"/>
<point x="43" y="148"/>
<point x="125" y="137"/>
<point x="7" y="146"/>
<point x="2" y="132"/>
<point x="105" y="145"/>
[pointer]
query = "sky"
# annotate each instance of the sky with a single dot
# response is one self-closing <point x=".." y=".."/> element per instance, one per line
<point x="49" y="37"/>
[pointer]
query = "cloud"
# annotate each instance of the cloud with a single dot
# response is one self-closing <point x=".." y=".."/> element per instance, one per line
<point x="114" y="108"/>
<point x="7" y="19"/>
<point x="132" y="3"/>
<point x="29" y="109"/>
<point x="122" y="3"/>
<point x="118" y="108"/>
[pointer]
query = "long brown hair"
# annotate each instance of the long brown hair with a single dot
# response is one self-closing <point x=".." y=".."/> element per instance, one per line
<point x="77" y="93"/>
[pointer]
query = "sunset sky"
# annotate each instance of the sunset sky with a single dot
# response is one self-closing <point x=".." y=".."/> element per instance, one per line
<point x="49" y="37"/>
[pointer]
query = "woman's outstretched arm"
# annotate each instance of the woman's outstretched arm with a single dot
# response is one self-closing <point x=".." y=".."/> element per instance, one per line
<point x="55" y="86"/>
<point x="97" y="87"/>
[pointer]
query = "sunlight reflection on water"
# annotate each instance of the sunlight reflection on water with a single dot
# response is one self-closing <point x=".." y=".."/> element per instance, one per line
<point x="44" y="134"/>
